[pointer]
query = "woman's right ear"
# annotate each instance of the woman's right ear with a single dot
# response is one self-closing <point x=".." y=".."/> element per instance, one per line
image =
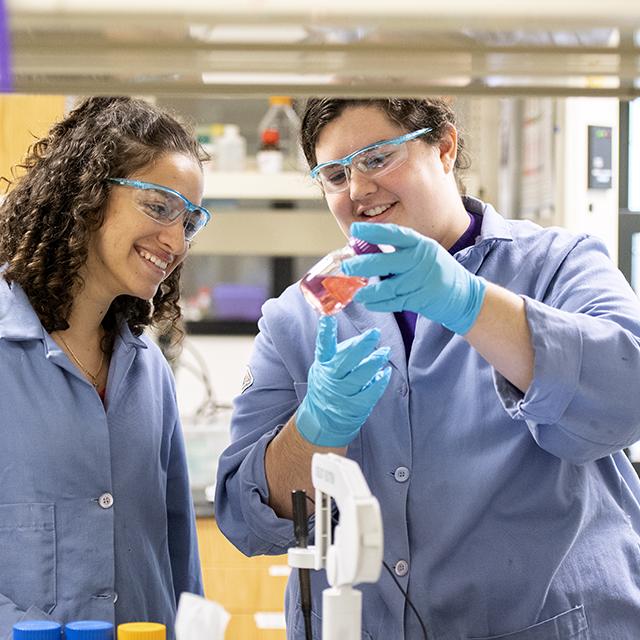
<point x="448" y="145"/>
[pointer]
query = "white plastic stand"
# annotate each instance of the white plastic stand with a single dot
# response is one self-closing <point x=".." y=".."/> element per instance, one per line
<point x="355" y="555"/>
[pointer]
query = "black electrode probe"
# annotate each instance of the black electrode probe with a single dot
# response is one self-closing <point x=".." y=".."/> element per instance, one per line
<point x="301" y="533"/>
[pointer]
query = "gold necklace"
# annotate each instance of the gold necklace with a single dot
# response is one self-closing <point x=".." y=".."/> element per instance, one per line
<point x="93" y="378"/>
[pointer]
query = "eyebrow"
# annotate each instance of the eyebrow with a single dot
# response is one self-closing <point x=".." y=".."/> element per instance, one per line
<point x="366" y="146"/>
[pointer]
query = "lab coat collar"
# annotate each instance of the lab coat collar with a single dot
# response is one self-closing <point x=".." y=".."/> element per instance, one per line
<point x="130" y="341"/>
<point x="494" y="230"/>
<point x="389" y="332"/>
<point x="19" y="321"/>
<point x="494" y="226"/>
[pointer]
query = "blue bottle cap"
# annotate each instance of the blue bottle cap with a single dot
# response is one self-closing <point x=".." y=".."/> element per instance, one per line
<point x="37" y="630"/>
<point x="89" y="630"/>
<point x="362" y="246"/>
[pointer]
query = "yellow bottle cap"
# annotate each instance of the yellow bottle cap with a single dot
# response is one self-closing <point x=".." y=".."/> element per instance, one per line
<point x="141" y="631"/>
<point x="280" y="100"/>
<point x="216" y="129"/>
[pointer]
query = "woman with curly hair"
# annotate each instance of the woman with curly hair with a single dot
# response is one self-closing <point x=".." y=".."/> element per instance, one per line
<point x="96" y="519"/>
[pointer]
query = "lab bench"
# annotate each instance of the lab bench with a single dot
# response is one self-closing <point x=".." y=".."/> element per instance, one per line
<point x="250" y="589"/>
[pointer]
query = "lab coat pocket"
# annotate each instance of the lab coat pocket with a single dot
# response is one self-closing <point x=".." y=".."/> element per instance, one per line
<point x="300" y="389"/>
<point x="316" y="627"/>
<point x="570" y="625"/>
<point x="28" y="555"/>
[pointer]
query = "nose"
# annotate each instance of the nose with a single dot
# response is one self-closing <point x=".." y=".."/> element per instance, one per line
<point x="172" y="236"/>
<point x="360" y="185"/>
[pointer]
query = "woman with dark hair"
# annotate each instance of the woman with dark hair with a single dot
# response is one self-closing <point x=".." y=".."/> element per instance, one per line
<point x="492" y="433"/>
<point x="96" y="519"/>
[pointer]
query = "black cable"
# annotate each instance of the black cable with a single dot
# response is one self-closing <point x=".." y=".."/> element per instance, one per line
<point x="301" y="533"/>
<point x="395" y="580"/>
<point x="406" y="596"/>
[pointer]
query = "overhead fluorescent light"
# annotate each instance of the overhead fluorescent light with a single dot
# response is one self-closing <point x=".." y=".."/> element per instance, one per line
<point x="251" y="78"/>
<point x="577" y="82"/>
<point x="248" y="34"/>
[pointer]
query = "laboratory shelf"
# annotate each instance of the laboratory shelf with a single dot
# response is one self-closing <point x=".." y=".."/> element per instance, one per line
<point x="253" y="185"/>
<point x="288" y="47"/>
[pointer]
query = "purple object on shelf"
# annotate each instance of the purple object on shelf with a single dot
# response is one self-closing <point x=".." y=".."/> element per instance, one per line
<point x="238" y="301"/>
<point x="5" y="50"/>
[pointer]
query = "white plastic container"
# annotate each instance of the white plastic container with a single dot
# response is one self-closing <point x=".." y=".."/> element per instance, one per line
<point x="231" y="150"/>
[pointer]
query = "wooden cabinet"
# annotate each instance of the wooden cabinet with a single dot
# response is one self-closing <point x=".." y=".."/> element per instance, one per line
<point x="23" y="119"/>
<point x="243" y="586"/>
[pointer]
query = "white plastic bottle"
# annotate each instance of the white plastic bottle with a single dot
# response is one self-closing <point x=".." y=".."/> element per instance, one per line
<point x="281" y="117"/>
<point x="231" y="150"/>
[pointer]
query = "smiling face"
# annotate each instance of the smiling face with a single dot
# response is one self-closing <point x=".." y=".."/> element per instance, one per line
<point x="131" y="253"/>
<point x="420" y="194"/>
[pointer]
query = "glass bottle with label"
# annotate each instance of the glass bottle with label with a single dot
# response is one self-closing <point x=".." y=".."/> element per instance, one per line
<point x="269" y="158"/>
<point x="282" y="117"/>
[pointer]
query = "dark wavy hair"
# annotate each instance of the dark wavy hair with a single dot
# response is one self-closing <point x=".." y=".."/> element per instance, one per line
<point x="409" y="113"/>
<point x="51" y="211"/>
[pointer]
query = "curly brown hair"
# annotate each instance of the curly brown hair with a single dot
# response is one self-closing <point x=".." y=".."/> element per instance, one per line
<point x="51" y="211"/>
<point x="409" y="113"/>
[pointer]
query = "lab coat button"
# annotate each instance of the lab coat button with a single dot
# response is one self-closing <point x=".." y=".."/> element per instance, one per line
<point x="401" y="474"/>
<point x="105" y="500"/>
<point x="401" y="568"/>
<point x="404" y="389"/>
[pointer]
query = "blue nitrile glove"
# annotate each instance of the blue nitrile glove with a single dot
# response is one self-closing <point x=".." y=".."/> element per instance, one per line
<point x="345" y="382"/>
<point x="425" y="278"/>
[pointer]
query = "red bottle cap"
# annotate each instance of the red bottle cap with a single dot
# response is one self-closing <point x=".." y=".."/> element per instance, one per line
<point x="270" y="136"/>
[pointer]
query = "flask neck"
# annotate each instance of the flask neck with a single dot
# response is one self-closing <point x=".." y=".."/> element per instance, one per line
<point x="361" y="247"/>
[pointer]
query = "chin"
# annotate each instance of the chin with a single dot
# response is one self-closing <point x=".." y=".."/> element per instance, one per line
<point x="146" y="295"/>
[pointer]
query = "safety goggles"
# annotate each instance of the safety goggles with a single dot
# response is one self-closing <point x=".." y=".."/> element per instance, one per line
<point x="165" y="205"/>
<point x="373" y="160"/>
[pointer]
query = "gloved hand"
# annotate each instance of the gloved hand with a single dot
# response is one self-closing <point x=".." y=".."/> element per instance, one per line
<point x="426" y="278"/>
<point x="345" y="382"/>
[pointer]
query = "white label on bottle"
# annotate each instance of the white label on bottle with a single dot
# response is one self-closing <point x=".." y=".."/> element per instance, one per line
<point x="269" y="161"/>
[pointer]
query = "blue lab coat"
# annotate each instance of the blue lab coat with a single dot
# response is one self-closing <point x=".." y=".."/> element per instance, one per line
<point x="96" y="518"/>
<point x="506" y="515"/>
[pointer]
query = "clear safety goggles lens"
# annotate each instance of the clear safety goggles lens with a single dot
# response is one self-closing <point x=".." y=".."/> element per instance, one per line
<point x="334" y="178"/>
<point x="165" y="208"/>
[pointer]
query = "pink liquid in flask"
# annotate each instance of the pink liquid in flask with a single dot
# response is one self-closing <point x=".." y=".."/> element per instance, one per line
<point x="326" y="288"/>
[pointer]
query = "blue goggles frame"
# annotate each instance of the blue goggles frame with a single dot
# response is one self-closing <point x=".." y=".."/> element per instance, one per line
<point x="347" y="160"/>
<point x="189" y="207"/>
